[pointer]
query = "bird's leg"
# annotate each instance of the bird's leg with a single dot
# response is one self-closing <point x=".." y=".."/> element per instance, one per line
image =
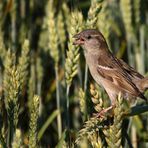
<point x="103" y="111"/>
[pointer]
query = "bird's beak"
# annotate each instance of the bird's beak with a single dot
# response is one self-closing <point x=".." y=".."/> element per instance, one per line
<point x="78" y="40"/>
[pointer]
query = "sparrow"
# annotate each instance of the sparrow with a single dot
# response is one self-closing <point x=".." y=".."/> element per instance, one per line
<point x="113" y="74"/>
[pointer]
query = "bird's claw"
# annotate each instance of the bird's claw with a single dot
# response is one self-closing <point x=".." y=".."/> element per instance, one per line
<point x="101" y="114"/>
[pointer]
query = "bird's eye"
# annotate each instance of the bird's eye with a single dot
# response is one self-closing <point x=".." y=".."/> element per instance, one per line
<point x="89" y="37"/>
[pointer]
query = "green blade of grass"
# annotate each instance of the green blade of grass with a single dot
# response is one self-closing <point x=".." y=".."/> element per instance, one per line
<point x="47" y="123"/>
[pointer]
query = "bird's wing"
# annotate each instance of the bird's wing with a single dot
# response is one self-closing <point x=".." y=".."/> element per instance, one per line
<point x="114" y="76"/>
<point x="110" y="69"/>
<point x="130" y="70"/>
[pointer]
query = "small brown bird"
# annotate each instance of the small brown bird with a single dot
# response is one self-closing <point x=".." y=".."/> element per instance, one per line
<point x="111" y="73"/>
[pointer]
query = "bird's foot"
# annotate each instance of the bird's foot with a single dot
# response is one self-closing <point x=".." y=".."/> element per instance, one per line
<point x="102" y="113"/>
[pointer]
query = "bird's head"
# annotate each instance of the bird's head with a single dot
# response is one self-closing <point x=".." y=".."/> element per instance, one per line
<point x="91" y="40"/>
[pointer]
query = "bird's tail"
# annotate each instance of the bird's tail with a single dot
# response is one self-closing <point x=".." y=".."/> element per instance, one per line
<point x="142" y="84"/>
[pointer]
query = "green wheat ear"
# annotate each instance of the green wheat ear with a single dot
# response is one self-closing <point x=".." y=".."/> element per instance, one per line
<point x="82" y="101"/>
<point x="11" y="85"/>
<point x="52" y="30"/>
<point x="23" y="64"/>
<point x="34" y="114"/>
<point x="97" y="101"/>
<point x="95" y="8"/>
<point x="90" y="131"/>
<point x="73" y="51"/>
<point x="113" y="134"/>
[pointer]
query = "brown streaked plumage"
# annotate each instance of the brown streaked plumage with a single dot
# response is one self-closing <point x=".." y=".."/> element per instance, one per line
<point x="111" y="73"/>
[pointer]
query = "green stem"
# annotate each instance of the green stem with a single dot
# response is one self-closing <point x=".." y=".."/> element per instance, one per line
<point x="10" y="132"/>
<point x="130" y="54"/>
<point x="67" y="106"/>
<point x="13" y="24"/>
<point x="86" y="77"/>
<point x="59" y="121"/>
<point x="67" y="116"/>
<point x="128" y="130"/>
<point x="85" y="88"/>
<point x="142" y="49"/>
<point x="47" y="123"/>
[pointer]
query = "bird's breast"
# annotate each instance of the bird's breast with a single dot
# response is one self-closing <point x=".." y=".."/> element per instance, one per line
<point x="92" y="61"/>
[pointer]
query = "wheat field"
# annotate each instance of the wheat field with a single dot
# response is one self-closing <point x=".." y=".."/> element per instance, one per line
<point x="47" y="96"/>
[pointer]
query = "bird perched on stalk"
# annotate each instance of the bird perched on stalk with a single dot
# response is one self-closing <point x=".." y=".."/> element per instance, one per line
<point x="111" y="73"/>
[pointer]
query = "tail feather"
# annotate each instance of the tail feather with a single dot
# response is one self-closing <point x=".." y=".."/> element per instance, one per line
<point x="142" y="84"/>
<point x="143" y="97"/>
